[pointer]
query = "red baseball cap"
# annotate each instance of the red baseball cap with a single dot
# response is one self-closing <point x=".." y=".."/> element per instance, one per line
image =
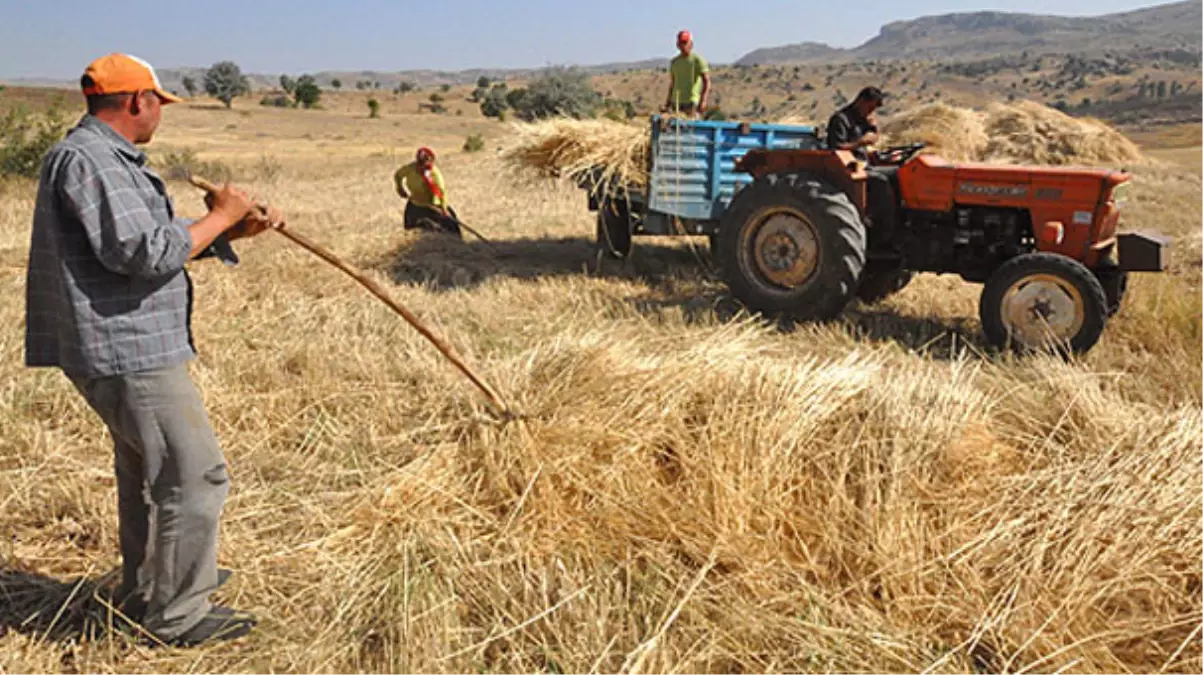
<point x="684" y="36"/>
<point x="123" y="74"/>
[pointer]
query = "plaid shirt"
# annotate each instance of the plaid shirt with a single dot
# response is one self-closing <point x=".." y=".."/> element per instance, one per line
<point x="106" y="290"/>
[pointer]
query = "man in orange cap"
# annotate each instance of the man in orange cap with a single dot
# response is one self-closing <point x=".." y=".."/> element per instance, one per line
<point x="109" y="303"/>
<point x="689" y="83"/>
<point x="421" y="183"/>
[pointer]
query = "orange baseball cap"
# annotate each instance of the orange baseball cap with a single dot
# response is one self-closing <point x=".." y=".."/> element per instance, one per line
<point x="123" y="74"/>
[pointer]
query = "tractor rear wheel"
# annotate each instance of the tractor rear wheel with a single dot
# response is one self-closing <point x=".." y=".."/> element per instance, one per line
<point x="614" y="228"/>
<point x="791" y="243"/>
<point x="1040" y="301"/>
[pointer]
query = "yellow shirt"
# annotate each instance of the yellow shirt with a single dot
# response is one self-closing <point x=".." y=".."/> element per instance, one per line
<point x="409" y="178"/>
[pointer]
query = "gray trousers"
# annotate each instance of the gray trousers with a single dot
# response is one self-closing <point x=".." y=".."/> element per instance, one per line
<point x="171" y="485"/>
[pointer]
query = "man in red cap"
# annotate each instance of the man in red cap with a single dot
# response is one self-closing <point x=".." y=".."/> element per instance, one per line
<point x="109" y="303"/>
<point x="689" y="85"/>
<point x="421" y="183"/>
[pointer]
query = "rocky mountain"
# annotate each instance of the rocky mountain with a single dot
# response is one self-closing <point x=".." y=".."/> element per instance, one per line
<point x="975" y="35"/>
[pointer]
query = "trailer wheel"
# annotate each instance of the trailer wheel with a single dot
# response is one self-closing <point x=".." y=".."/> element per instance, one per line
<point x="791" y="243"/>
<point x="614" y="228"/>
<point x="1043" y="301"/>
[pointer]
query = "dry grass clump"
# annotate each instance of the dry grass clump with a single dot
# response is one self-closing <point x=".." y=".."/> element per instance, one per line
<point x="1019" y="133"/>
<point x="1030" y="133"/>
<point x="594" y="152"/>
<point x="955" y="133"/>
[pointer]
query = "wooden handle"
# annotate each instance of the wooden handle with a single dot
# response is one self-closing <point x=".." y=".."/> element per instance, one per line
<point x="375" y="288"/>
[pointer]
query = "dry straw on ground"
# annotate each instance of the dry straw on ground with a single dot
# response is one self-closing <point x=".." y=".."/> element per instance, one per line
<point x="691" y="491"/>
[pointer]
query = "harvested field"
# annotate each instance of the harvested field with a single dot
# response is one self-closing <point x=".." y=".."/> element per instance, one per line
<point x="692" y="489"/>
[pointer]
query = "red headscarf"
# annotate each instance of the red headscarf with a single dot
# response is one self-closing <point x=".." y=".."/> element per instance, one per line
<point x="426" y="154"/>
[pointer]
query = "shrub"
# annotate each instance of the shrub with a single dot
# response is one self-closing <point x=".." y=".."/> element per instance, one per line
<point x="26" y="138"/>
<point x="474" y="143"/>
<point x="560" y="92"/>
<point x="373" y="108"/>
<point x="307" y="93"/>
<point x="277" y="101"/>
<point x="180" y="164"/>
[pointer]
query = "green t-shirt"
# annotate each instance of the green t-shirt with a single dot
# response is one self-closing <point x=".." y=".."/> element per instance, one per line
<point x="420" y="193"/>
<point x="687" y="74"/>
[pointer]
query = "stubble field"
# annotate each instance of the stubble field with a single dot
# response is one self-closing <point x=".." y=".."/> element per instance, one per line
<point x="692" y="489"/>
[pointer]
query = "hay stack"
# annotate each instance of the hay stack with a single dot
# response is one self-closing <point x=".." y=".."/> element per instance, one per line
<point x="1030" y="133"/>
<point x="599" y="151"/>
<point x="957" y="134"/>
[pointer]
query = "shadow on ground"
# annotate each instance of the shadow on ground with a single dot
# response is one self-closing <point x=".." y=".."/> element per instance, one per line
<point x="58" y="611"/>
<point x="680" y="279"/>
<point x="443" y="263"/>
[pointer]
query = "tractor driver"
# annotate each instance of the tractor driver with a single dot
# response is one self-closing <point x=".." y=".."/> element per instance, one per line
<point x="854" y="128"/>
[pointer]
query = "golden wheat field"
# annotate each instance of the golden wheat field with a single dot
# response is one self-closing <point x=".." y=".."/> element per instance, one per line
<point x="691" y="489"/>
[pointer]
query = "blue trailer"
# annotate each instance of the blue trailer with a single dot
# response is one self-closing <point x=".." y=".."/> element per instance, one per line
<point x="692" y="179"/>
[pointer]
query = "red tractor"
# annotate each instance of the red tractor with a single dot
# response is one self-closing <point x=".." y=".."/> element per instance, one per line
<point x="817" y="228"/>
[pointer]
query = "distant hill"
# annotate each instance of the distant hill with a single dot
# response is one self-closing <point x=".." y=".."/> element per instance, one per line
<point x="987" y="34"/>
<point x="173" y="78"/>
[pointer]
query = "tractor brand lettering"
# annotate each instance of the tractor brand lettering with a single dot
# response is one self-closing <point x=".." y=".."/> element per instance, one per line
<point x="1051" y="194"/>
<point x="994" y="190"/>
<point x="1083" y="217"/>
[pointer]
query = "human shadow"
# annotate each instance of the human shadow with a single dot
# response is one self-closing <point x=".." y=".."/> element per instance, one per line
<point x="443" y="263"/>
<point x="60" y="611"/>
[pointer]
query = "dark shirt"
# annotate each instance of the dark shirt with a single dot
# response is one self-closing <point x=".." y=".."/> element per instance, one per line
<point x="106" y="290"/>
<point x="848" y="126"/>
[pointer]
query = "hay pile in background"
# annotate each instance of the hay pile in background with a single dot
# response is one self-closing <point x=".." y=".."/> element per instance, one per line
<point x="957" y="134"/>
<point x="1018" y="133"/>
<point x="603" y="153"/>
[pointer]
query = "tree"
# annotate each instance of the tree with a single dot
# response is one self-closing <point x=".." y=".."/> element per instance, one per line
<point x="483" y="82"/>
<point x="288" y="84"/>
<point x="336" y="83"/>
<point x="493" y="103"/>
<point x="406" y="87"/>
<point x="1161" y="89"/>
<point x="373" y="108"/>
<point x="436" y="97"/>
<point x="224" y="82"/>
<point x="189" y="85"/>
<point x="446" y="88"/>
<point x="307" y="93"/>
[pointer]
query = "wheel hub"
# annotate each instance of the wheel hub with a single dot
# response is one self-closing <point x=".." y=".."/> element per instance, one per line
<point x="786" y="250"/>
<point x="1041" y="309"/>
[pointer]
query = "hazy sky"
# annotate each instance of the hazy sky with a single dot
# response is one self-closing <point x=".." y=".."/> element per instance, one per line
<point x="57" y="38"/>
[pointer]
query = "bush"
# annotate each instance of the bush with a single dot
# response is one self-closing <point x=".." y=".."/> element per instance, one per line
<point x="277" y="101"/>
<point x="307" y="93"/>
<point x="474" y="143"/>
<point x="179" y="165"/>
<point x="559" y="92"/>
<point x="26" y="138"/>
<point x="373" y="108"/>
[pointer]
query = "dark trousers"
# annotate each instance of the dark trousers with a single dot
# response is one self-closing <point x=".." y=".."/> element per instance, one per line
<point x="883" y="203"/>
<point x="424" y="218"/>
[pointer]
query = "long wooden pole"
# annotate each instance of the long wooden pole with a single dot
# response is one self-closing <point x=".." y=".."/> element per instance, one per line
<point x="375" y="288"/>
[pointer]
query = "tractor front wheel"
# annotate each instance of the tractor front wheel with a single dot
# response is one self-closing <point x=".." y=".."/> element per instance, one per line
<point x="790" y="243"/>
<point x="1043" y="301"/>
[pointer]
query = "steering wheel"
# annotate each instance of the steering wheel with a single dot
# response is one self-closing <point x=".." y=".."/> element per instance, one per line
<point x="898" y="154"/>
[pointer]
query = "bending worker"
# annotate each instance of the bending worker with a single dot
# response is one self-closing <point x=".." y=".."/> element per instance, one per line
<point x="421" y="183"/>
<point x="689" y="86"/>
